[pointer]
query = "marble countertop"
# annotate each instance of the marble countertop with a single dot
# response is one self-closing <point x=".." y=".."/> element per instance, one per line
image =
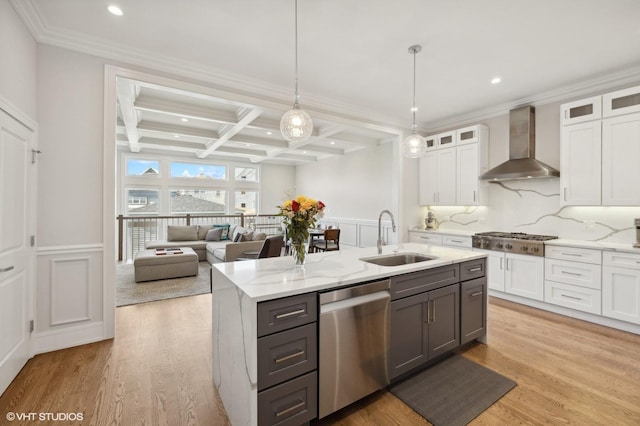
<point x="598" y="245"/>
<point x="272" y="278"/>
<point x="443" y="231"/>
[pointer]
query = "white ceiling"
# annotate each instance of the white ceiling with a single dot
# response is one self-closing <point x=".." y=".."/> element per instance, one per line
<point x="353" y="60"/>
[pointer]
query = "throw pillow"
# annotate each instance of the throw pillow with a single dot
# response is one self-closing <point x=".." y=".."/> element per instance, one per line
<point x="247" y="236"/>
<point x="214" y="234"/>
<point x="202" y="231"/>
<point x="225" y="231"/>
<point x="259" y="236"/>
<point x="238" y="237"/>
<point x="182" y="233"/>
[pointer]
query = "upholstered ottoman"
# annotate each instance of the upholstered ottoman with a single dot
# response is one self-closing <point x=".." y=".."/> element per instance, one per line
<point x="159" y="264"/>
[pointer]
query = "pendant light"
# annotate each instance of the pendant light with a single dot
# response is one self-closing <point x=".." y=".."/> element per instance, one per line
<point x="296" y="125"/>
<point x="414" y="145"/>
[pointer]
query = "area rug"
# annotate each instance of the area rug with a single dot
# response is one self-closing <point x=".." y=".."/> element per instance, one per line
<point x="452" y="392"/>
<point x="128" y="292"/>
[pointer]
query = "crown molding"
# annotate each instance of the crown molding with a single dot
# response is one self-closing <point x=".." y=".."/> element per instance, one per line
<point x="601" y="84"/>
<point x="45" y="33"/>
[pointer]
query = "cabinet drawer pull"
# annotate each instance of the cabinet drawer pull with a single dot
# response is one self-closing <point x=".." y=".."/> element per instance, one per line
<point x="575" y="274"/>
<point x="475" y="269"/>
<point x="290" y="409"/>
<point x="7" y="269"/>
<point x="426" y="312"/>
<point x="571" y="254"/>
<point x="288" y="357"/>
<point x="571" y="297"/>
<point x="457" y="241"/>
<point x="477" y="293"/>
<point x="289" y="314"/>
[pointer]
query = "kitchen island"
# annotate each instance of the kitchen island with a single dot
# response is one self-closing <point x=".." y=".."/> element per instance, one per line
<point x="240" y="288"/>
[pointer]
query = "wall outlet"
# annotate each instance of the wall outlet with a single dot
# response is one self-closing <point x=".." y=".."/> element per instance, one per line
<point x="589" y="225"/>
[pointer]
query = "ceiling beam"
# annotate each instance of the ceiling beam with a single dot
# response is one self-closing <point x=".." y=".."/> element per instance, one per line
<point x="126" y="93"/>
<point x="172" y="129"/>
<point x="245" y="117"/>
<point x="180" y="109"/>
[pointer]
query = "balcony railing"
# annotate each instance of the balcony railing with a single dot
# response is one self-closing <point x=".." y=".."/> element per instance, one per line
<point x="135" y="231"/>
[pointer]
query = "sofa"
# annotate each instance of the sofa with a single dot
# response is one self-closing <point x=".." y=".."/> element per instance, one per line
<point x="213" y="243"/>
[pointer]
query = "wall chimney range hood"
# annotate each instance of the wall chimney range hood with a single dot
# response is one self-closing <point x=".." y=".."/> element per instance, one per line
<point x="522" y="148"/>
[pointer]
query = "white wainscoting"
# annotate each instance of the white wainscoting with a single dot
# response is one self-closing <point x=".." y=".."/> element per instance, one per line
<point x="69" y="297"/>
<point x="361" y="232"/>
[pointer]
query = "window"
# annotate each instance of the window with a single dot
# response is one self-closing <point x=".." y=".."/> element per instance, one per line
<point x="246" y="202"/>
<point x="246" y="174"/>
<point x="142" y="201"/>
<point x="137" y="167"/>
<point x="198" y="171"/>
<point x="198" y="201"/>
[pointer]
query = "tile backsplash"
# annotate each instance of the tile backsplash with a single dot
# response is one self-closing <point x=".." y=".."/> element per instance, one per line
<point x="533" y="206"/>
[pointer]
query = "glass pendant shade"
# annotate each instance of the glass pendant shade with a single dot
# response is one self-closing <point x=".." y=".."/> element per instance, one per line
<point x="414" y="146"/>
<point x="296" y="125"/>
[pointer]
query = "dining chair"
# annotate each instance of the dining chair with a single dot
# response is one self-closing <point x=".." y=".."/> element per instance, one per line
<point x="330" y="242"/>
<point x="272" y="247"/>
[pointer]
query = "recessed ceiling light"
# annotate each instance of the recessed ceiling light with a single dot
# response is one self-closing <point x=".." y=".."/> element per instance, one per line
<point x="332" y="142"/>
<point x="184" y="120"/>
<point x="176" y="136"/>
<point x="269" y="133"/>
<point x="414" y="109"/>
<point x="115" y="10"/>
<point x="496" y="80"/>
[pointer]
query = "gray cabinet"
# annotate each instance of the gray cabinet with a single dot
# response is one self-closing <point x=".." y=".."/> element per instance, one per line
<point x="473" y="309"/>
<point x="435" y="311"/>
<point x="426" y="323"/>
<point x="288" y="360"/>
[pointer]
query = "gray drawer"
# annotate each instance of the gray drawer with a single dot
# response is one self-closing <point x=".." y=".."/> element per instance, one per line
<point x="473" y="269"/>
<point x="418" y="282"/>
<point x="281" y="314"/>
<point x="286" y="354"/>
<point x="290" y="404"/>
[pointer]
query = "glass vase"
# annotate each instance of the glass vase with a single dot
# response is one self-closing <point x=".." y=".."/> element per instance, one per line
<point x="300" y="248"/>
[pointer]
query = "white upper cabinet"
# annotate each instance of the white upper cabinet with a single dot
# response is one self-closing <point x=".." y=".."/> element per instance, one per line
<point x="600" y="150"/>
<point x="620" y="160"/>
<point x="450" y="169"/>
<point x="580" y="111"/>
<point x="625" y="101"/>
<point x="437" y="184"/>
<point x="580" y="164"/>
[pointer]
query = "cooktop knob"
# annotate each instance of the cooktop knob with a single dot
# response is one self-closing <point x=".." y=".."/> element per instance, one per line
<point x="524" y="248"/>
<point x="509" y="246"/>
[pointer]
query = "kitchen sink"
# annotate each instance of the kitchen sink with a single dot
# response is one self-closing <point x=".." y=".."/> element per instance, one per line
<point x="397" y="259"/>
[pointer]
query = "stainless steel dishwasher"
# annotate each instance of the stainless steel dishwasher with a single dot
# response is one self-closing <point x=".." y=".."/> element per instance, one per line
<point x="354" y="344"/>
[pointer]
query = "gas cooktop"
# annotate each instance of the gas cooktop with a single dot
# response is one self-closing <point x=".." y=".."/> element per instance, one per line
<point x="511" y="242"/>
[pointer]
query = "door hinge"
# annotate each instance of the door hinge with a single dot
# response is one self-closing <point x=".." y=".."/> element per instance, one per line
<point x="31" y="326"/>
<point x="33" y="241"/>
<point x="34" y="152"/>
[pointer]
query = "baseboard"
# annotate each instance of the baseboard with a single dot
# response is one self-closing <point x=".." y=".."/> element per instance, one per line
<point x="67" y="337"/>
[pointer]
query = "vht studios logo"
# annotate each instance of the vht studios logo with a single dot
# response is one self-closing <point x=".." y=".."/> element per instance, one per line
<point x="44" y="417"/>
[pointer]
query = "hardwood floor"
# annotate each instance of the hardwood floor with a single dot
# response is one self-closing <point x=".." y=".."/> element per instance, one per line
<point x="158" y="372"/>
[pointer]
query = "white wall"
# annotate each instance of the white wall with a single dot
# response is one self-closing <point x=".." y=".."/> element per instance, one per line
<point x="277" y="182"/>
<point x="18" y="69"/>
<point x="357" y="185"/>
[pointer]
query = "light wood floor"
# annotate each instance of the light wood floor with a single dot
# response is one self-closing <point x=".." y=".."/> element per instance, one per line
<point x="158" y="372"/>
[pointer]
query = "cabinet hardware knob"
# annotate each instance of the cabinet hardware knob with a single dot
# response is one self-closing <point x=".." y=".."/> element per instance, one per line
<point x="7" y="269"/>
<point x="289" y="314"/>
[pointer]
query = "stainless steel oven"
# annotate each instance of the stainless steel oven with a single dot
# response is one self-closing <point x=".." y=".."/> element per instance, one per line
<point x="354" y="344"/>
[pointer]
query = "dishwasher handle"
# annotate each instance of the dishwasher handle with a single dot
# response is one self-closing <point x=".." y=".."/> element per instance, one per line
<point x="354" y="291"/>
<point x="354" y="301"/>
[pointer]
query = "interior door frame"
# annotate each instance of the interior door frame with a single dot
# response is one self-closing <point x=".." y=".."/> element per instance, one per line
<point x="32" y="125"/>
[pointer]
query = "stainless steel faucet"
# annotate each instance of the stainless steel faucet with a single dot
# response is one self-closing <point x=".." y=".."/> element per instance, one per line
<point x="393" y="224"/>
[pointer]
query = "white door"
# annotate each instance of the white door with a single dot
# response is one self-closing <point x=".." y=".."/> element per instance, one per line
<point x="467" y="175"/>
<point x="524" y="276"/>
<point x="620" y="156"/>
<point x="580" y="162"/>
<point x="17" y="259"/>
<point x="428" y="174"/>
<point x="446" y="193"/>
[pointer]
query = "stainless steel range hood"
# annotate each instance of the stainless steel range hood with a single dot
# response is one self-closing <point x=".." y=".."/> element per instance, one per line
<point x="522" y="148"/>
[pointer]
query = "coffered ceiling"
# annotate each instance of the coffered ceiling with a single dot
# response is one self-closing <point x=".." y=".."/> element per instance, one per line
<point x="355" y="73"/>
